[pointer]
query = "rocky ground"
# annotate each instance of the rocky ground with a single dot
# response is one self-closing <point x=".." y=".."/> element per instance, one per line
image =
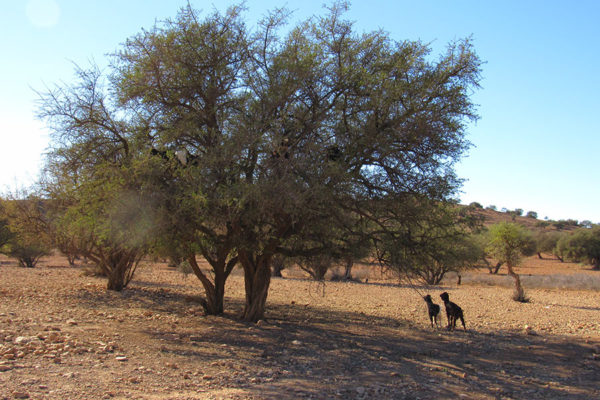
<point x="63" y="336"/>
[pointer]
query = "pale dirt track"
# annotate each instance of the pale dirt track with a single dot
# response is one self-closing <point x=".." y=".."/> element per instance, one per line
<point x="63" y="336"/>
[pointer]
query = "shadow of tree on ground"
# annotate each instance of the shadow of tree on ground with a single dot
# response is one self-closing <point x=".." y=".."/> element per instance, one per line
<point x="309" y="351"/>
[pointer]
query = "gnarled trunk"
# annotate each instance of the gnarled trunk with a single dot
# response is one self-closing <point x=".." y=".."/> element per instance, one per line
<point x="519" y="292"/>
<point x="214" y="291"/>
<point x="257" y="278"/>
<point x="348" y="269"/>
<point x="119" y="266"/>
<point x="497" y="268"/>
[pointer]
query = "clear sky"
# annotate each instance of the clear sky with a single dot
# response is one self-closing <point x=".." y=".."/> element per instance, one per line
<point x="536" y="145"/>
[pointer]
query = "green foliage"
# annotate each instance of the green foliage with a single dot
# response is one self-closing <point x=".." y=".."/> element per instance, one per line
<point x="5" y="233"/>
<point x="532" y="214"/>
<point x="508" y="242"/>
<point x="440" y="240"/>
<point x="475" y="205"/>
<point x="27" y="254"/>
<point x="583" y="245"/>
<point x="492" y="207"/>
<point x="23" y="229"/>
<point x="545" y="242"/>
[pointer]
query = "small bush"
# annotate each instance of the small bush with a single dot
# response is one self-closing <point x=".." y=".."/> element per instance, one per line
<point x="28" y="255"/>
<point x="185" y="268"/>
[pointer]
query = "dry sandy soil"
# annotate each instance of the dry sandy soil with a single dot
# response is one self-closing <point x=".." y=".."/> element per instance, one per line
<point x="63" y="336"/>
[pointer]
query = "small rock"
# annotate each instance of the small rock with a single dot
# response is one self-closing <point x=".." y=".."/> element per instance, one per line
<point x="529" y="331"/>
<point x="207" y="377"/>
<point x="20" y="395"/>
<point x="296" y="342"/>
<point x="360" y="390"/>
<point x="121" y="358"/>
<point x="4" y="368"/>
<point x="22" y="340"/>
<point x="71" y="322"/>
<point x="194" y="338"/>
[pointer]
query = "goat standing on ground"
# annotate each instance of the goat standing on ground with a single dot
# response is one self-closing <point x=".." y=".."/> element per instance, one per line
<point x="433" y="310"/>
<point x="453" y="312"/>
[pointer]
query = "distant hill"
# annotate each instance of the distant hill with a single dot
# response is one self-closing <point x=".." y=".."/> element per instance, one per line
<point x="491" y="217"/>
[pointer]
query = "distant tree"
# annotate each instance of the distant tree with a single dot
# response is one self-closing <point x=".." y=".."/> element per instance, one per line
<point x="586" y="224"/>
<point x="492" y="207"/>
<point x="437" y="243"/>
<point x="532" y="214"/>
<point x="504" y="210"/>
<point x="5" y="233"/>
<point x="316" y="266"/>
<point x="475" y="205"/>
<point x="545" y="242"/>
<point x="24" y="229"/>
<point x="518" y="211"/>
<point x="508" y="243"/>
<point x="583" y="245"/>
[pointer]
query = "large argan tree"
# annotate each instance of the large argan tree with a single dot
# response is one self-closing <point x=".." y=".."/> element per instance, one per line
<point x="279" y="135"/>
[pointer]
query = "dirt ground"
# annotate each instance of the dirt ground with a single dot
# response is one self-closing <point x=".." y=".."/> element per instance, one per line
<point x="63" y="336"/>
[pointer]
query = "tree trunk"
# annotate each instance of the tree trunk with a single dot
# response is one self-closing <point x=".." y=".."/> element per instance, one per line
<point x="519" y="292"/>
<point x="348" y="270"/>
<point x="277" y="266"/>
<point x="214" y="292"/>
<point x="257" y="278"/>
<point x="497" y="267"/>
<point x="540" y="255"/>
<point x="119" y="267"/>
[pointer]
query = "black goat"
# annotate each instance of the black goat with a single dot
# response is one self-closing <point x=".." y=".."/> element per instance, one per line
<point x="433" y="310"/>
<point x="453" y="312"/>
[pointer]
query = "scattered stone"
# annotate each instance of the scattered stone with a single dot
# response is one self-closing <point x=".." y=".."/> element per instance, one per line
<point x="71" y="322"/>
<point x="20" y="395"/>
<point x="296" y="342"/>
<point x="121" y="358"/>
<point x="22" y="340"/>
<point x="529" y="331"/>
<point x="4" y="368"/>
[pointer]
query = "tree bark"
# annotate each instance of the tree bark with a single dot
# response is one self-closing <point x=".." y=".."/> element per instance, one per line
<point x="214" y="292"/>
<point x="277" y="267"/>
<point x="497" y="267"/>
<point x="348" y="270"/>
<point x="519" y="292"/>
<point x="257" y="278"/>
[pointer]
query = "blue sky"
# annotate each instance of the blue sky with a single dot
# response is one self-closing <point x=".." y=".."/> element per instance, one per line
<point x="536" y="145"/>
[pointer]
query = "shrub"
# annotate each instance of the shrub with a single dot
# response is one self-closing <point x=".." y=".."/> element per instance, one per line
<point x="532" y="214"/>
<point x="27" y="254"/>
